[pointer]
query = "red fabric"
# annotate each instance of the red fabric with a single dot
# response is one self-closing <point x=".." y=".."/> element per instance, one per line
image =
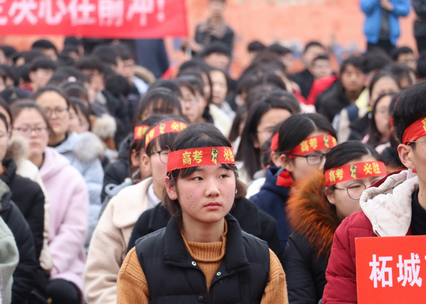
<point x="298" y="95"/>
<point x="170" y="126"/>
<point x="312" y="144"/>
<point x="319" y="86"/>
<point x="416" y="130"/>
<point x="205" y="156"/>
<point x="120" y="19"/>
<point x="285" y="179"/>
<point x="274" y="142"/>
<point x="140" y="131"/>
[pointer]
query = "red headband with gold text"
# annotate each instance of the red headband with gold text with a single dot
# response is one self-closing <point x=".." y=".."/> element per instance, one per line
<point x="164" y="128"/>
<point x="414" y="131"/>
<point x="312" y="144"/>
<point x="140" y="131"/>
<point x="274" y="142"/>
<point x="354" y="171"/>
<point x="195" y="157"/>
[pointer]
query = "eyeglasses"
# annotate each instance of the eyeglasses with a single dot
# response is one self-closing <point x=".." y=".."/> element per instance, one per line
<point x="354" y="190"/>
<point x="311" y="159"/>
<point x="190" y="100"/>
<point x="59" y="111"/>
<point x="27" y="130"/>
<point x="164" y="156"/>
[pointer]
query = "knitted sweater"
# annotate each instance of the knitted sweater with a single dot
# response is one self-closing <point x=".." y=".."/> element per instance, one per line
<point x="133" y="285"/>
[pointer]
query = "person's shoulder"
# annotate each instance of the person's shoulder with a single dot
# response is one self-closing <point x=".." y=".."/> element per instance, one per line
<point x="150" y="240"/>
<point x="355" y="225"/>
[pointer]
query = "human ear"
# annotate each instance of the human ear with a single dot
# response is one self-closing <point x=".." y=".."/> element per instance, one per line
<point x="171" y="189"/>
<point x="31" y="76"/>
<point x="330" y="196"/>
<point x="145" y="163"/>
<point x="287" y="163"/>
<point x="276" y="159"/>
<point x="405" y="153"/>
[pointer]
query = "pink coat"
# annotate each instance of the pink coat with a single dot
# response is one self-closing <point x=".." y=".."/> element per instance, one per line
<point x="69" y="216"/>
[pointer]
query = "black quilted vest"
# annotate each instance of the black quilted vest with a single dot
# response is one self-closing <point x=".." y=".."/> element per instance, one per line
<point x="174" y="277"/>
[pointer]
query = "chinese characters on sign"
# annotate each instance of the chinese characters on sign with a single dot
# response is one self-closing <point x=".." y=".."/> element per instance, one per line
<point x="94" y="18"/>
<point x="391" y="269"/>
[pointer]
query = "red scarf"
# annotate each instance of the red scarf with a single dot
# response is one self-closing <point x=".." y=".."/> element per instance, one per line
<point x="285" y="179"/>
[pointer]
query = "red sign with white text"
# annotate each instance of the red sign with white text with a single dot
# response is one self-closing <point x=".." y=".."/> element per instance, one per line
<point x="391" y="270"/>
<point x="94" y="18"/>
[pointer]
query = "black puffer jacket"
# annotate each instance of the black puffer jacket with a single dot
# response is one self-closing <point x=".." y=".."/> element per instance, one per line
<point x="251" y="219"/>
<point x="332" y="101"/>
<point x="23" y="277"/>
<point x="118" y="171"/>
<point x="29" y="198"/>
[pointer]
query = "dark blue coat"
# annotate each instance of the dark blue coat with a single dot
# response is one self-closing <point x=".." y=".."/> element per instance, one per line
<point x="272" y="199"/>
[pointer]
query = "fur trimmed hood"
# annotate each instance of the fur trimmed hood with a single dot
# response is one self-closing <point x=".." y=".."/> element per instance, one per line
<point x="17" y="149"/>
<point x="88" y="147"/>
<point x="104" y="126"/>
<point x="311" y="215"/>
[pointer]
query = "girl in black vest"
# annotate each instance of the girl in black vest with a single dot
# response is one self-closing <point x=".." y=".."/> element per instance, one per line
<point x="202" y="255"/>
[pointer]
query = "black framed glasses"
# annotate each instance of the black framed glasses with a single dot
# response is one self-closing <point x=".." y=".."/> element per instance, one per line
<point x="354" y="190"/>
<point x="311" y="159"/>
<point x="164" y="155"/>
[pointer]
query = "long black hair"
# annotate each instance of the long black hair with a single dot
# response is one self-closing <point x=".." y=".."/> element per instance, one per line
<point x="375" y="137"/>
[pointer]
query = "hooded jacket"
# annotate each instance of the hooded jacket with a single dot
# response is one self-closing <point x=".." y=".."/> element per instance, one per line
<point x="118" y="171"/>
<point x="84" y="151"/>
<point x="9" y="258"/>
<point x="373" y="18"/>
<point x="110" y="240"/>
<point x="313" y="222"/>
<point x="250" y="218"/>
<point x="386" y="211"/>
<point x="69" y="212"/>
<point x="23" y="278"/>
<point x="272" y="200"/>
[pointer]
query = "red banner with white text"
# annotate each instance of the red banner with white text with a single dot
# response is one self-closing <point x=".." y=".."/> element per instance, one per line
<point x="94" y="18"/>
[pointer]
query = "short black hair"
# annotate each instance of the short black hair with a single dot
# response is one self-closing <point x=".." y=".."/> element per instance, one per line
<point x="355" y="61"/>
<point x="321" y="57"/>
<point x="410" y="107"/>
<point x="168" y="84"/>
<point x="90" y="63"/>
<point x="44" y="44"/>
<point x="278" y="49"/>
<point x="75" y="89"/>
<point x="11" y="72"/>
<point x="374" y="60"/>
<point x="191" y="82"/>
<point x="255" y="46"/>
<point x="24" y="72"/>
<point x="8" y="51"/>
<point x="311" y="44"/>
<point x="194" y="63"/>
<point x="75" y="73"/>
<point x="123" y="51"/>
<point x="29" y="56"/>
<point x="106" y="53"/>
<point x="216" y="47"/>
<point x="399" y="51"/>
<point x="72" y="42"/>
<point x="68" y="49"/>
<point x="400" y="71"/>
<point x="44" y="63"/>
<point x="11" y="95"/>
<point x="118" y="85"/>
<point x="380" y="75"/>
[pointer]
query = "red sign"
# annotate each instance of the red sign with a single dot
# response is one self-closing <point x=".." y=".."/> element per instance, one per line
<point x="391" y="270"/>
<point x="94" y="18"/>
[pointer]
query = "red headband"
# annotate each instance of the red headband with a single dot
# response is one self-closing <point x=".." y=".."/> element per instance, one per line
<point x="164" y="128"/>
<point x="312" y="144"/>
<point x="274" y="142"/>
<point x="140" y="131"/>
<point x="354" y="171"/>
<point x="195" y="157"/>
<point x="414" y="131"/>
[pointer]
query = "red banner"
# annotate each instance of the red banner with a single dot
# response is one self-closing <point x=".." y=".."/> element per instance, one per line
<point x="94" y="18"/>
<point x="391" y="269"/>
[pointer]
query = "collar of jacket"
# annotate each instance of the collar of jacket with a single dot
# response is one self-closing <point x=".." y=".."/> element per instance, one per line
<point x="10" y="171"/>
<point x="235" y="258"/>
<point x="272" y="174"/>
<point x="311" y="215"/>
<point x="5" y="196"/>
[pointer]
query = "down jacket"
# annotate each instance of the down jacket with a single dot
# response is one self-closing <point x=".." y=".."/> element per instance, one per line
<point x="386" y="211"/>
<point x="313" y="222"/>
<point x="23" y="277"/>
<point x="9" y="258"/>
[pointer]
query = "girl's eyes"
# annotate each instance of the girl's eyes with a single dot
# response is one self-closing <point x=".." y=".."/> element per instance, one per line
<point x="224" y="176"/>
<point x="197" y="178"/>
